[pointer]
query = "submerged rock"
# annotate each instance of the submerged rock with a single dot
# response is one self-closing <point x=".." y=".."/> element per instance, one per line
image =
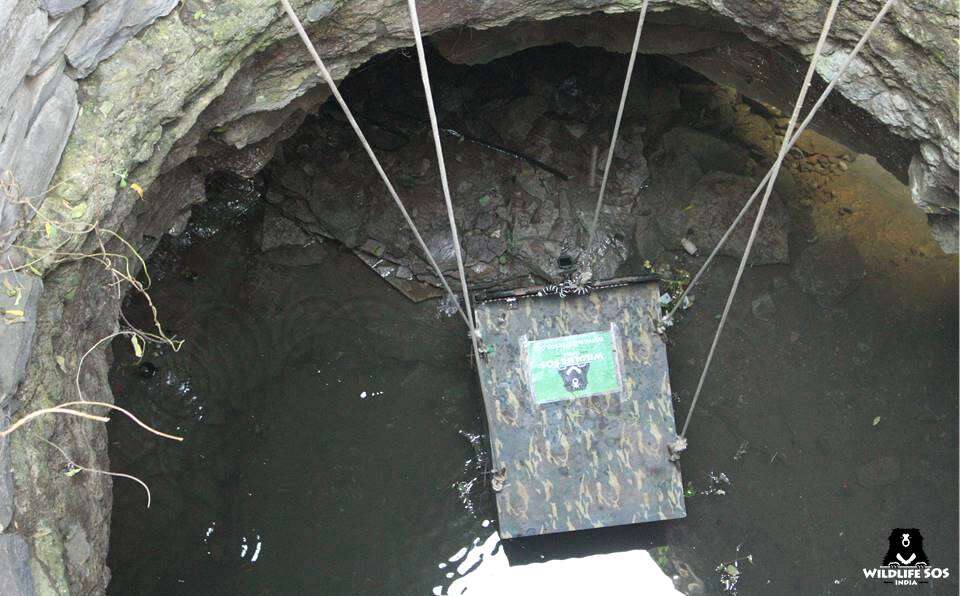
<point x="698" y="186"/>
<point x="278" y="231"/>
<point x="881" y="471"/>
<point x="763" y="307"/>
<point x="830" y="269"/>
<point x="714" y="203"/>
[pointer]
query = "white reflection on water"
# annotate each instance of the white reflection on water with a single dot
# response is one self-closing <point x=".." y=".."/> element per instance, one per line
<point x="484" y="570"/>
<point x="244" y="548"/>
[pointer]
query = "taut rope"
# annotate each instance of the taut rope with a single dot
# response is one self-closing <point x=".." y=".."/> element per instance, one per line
<point x="376" y="163"/>
<point x="802" y="127"/>
<point x="441" y="165"/>
<point x="771" y="179"/>
<point x="616" y="124"/>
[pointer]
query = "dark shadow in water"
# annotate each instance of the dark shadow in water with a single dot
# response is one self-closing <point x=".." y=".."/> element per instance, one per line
<point x="539" y="549"/>
<point x="334" y="430"/>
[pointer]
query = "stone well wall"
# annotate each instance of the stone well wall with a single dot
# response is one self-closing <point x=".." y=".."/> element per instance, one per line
<point x="96" y="95"/>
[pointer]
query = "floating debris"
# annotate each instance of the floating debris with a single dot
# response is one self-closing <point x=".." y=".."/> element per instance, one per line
<point x="729" y="577"/>
<point x="688" y="246"/>
<point x="741" y="450"/>
<point x="447" y="307"/>
<point x="730" y="572"/>
<point x="717" y="482"/>
<point x="666" y="321"/>
<point x="675" y="282"/>
<point x="499" y="479"/>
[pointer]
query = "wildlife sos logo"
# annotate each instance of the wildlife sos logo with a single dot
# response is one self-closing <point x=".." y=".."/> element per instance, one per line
<point x="575" y="376"/>
<point x="572" y="366"/>
<point x="906" y="548"/>
<point x="906" y="563"/>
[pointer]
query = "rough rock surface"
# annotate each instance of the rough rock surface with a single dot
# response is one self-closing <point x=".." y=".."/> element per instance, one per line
<point x="723" y="177"/>
<point x="109" y="27"/>
<point x="21" y="38"/>
<point x="15" y="576"/>
<point x="16" y="343"/>
<point x="59" y="34"/>
<point x="55" y="8"/>
<point x="18" y="303"/>
<point x="915" y="51"/>
<point x="34" y="155"/>
<point x="158" y="83"/>
<point x="515" y="216"/>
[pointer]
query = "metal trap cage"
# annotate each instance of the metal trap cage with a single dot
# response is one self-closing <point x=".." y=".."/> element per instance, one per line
<point x="577" y="396"/>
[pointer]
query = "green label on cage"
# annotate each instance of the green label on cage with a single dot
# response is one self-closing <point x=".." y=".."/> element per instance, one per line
<point x="573" y="366"/>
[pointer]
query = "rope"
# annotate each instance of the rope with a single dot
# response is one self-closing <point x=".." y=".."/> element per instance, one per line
<point x="774" y="171"/>
<point x="802" y="127"/>
<point x="616" y="125"/>
<point x="441" y="165"/>
<point x="373" y="158"/>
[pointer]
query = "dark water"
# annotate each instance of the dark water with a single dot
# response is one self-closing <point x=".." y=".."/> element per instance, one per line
<point x="335" y="437"/>
<point x="327" y="422"/>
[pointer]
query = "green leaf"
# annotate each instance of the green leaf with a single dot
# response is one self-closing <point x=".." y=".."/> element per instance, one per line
<point x="77" y="211"/>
